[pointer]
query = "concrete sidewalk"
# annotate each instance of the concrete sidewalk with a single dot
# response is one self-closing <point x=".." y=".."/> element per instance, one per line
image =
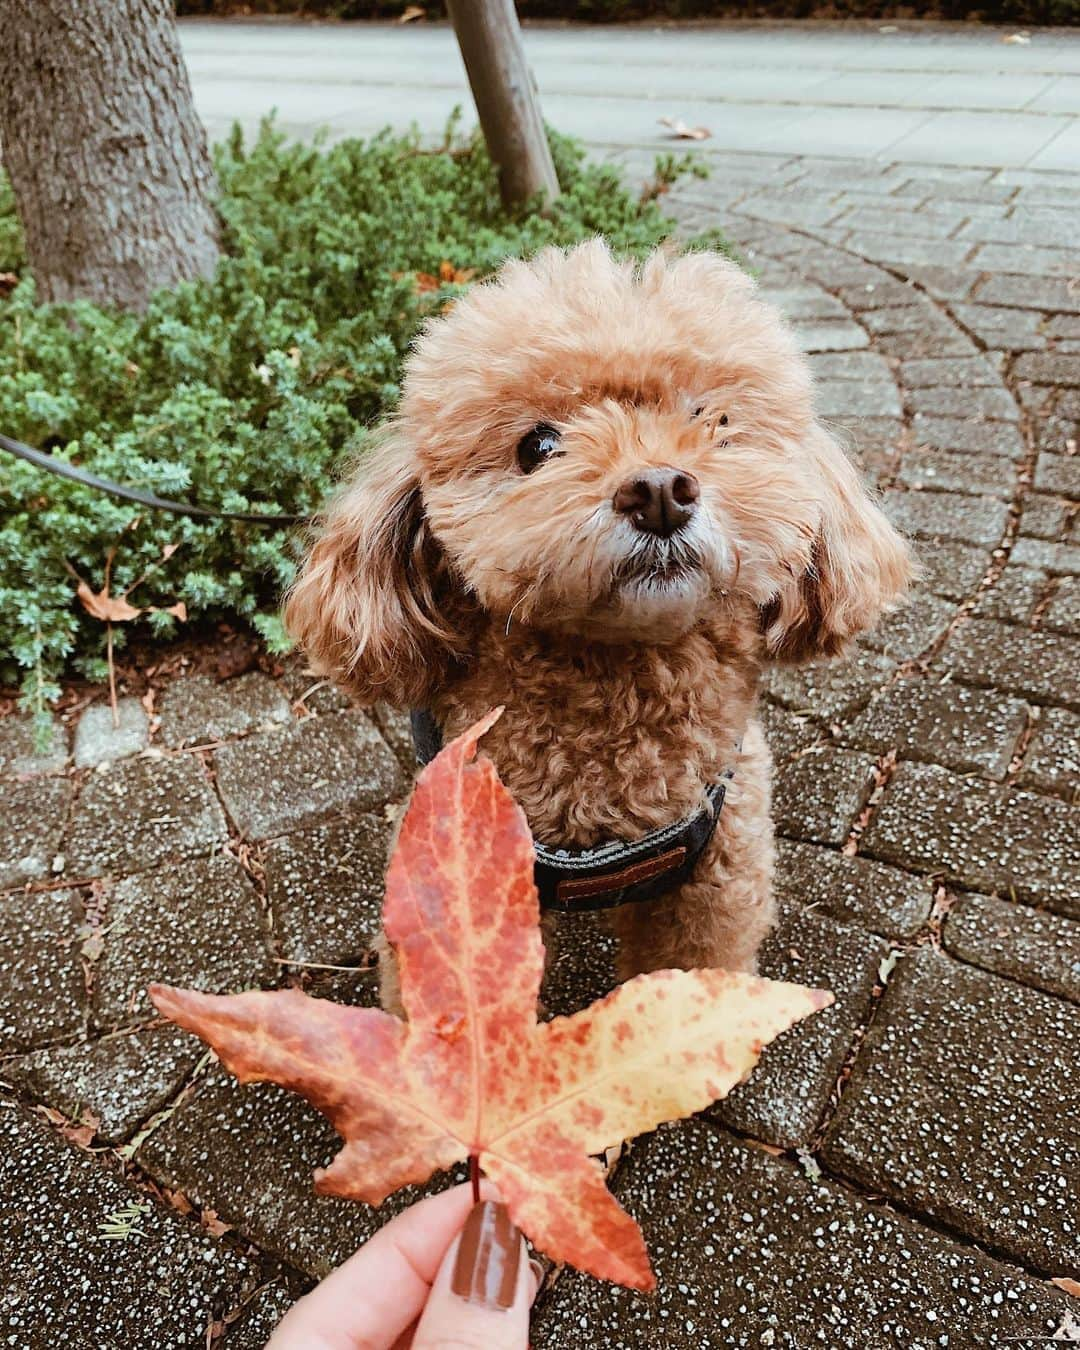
<point x="926" y="94"/>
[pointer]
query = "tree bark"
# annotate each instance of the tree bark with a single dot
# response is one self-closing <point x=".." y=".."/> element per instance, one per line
<point x="489" y="36"/>
<point x="107" y="159"/>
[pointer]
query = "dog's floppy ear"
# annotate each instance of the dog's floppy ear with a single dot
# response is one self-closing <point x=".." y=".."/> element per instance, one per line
<point x="375" y="605"/>
<point x="860" y="566"/>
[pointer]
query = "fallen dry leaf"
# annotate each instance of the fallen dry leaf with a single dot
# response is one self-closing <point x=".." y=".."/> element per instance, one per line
<point x="681" y="132"/>
<point x="1070" y="1285"/>
<point x="411" y="13"/>
<point x="102" y="605"/>
<point x="472" y="1073"/>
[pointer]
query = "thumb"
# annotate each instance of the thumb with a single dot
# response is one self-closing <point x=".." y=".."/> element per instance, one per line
<point x="481" y="1296"/>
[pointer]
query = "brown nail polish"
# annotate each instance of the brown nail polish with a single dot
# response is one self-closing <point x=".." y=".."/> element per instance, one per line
<point x="486" y="1268"/>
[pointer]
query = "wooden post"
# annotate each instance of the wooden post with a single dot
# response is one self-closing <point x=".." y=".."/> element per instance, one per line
<point x="489" y="36"/>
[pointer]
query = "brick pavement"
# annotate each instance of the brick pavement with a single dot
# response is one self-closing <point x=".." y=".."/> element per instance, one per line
<point x="903" y="1169"/>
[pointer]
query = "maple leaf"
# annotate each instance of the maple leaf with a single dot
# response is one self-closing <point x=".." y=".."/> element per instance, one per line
<point x="472" y="1073"/>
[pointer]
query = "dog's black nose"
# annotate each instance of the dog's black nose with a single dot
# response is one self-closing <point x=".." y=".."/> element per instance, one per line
<point x="658" y="501"/>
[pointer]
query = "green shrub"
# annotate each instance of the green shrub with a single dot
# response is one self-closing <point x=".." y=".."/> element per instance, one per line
<point x="243" y="392"/>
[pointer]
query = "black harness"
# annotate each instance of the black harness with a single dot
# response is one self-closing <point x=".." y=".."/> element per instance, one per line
<point x="571" y="881"/>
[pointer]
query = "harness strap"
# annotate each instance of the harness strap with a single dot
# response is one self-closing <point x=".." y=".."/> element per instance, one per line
<point x="574" y="881"/>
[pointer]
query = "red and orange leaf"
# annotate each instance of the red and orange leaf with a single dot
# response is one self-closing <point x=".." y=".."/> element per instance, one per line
<point x="472" y="1072"/>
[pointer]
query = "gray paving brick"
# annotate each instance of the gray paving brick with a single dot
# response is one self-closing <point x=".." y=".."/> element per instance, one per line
<point x="952" y="1045"/>
<point x="20" y="752"/>
<point x="910" y="630"/>
<point x="845" y="398"/>
<point x="1052" y="761"/>
<point x="1044" y="517"/>
<point x="969" y="730"/>
<point x="945" y="283"/>
<point x="1060" y="559"/>
<point x="950" y="569"/>
<point x="1029" y="945"/>
<point x="1047" y="368"/>
<point x="1026" y="260"/>
<point x="829" y="335"/>
<point x="1042" y="666"/>
<point x="1013" y="330"/>
<point x="99" y="738"/>
<point x="864" y="367"/>
<point x="1029" y="292"/>
<point x="199" y="924"/>
<point x="901" y="250"/>
<point x="829" y="690"/>
<point x="306" y="771"/>
<point x="790" y="1261"/>
<point x="67" y="1286"/>
<point x="786" y="733"/>
<point x="1060" y="474"/>
<point x="956" y="433"/>
<point x="140" y="812"/>
<point x="199" y="710"/>
<point x="949" y="372"/>
<point x="42" y="990"/>
<point x="990" y="404"/>
<point x="957" y="471"/>
<point x="818" y="796"/>
<point x="786" y="1096"/>
<point x="881" y="292"/>
<point x="121" y="1080"/>
<point x="947" y="515"/>
<point x="824" y="881"/>
<point x="1062" y="614"/>
<point x="979" y="836"/>
<point x="805" y="302"/>
<point x="325" y="886"/>
<point x="35" y="815"/>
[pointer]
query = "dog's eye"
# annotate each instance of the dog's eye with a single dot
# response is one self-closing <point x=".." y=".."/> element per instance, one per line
<point x="536" y="446"/>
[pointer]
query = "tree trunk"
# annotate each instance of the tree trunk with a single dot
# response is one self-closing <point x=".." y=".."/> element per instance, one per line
<point x="489" y="36"/>
<point x="106" y="157"/>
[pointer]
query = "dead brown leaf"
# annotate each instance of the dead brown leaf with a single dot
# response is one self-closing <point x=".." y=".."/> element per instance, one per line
<point x="681" y="132"/>
<point x="213" y="1225"/>
<point x="1070" y="1285"/>
<point x="102" y="605"/>
<point x="411" y="13"/>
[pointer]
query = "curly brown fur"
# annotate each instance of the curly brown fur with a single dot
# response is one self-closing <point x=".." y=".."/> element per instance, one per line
<point x="627" y="661"/>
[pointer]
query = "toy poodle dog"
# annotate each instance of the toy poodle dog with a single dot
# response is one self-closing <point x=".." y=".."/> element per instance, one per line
<point x="605" y="503"/>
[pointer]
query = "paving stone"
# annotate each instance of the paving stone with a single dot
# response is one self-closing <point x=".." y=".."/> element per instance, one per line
<point x="1061" y="559"/>
<point x="829" y="690"/>
<point x="827" y="335"/>
<point x="306" y="771"/>
<point x="42" y="990"/>
<point x="259" y="1317"/>
<point x="1063" y="326"/>
<point x="911" y="629"/>
<point x="301" y="685"/>
<point x="787" y="1094"/>
<point x="1013" y="597"/>
<point x="1052" y="762"/>
<point x="200" y="924"/>
<point x="949" y="569"/>
<point x="325" y="886"/>
<point x="1013" y="330"/>
<point x="972" y="372"/>
<point x="1025" y="259"/>
<point x="957" y="433"/>
<point x="957" y="471"/>
<point x="920" y="224"/>
<point x="35" y="815"/>
<point x="847" y="398"/>
<point x="1059" y="474"/>
<point x="901" y="250"/>
<point x="198" y="709"/>
<point x="945" y="283"/>
<point x="787" y="734"/>
<point x="819" y="795"/>
<point x="142" y="812"/>
<point x="99" y="740"/>
<point x="966" y="729"/>
<point x="396" y="728"/>
<point x="120" y="1079"/>
<point x="1038" y="292"/>
<point x="582" y="952"/>
<point x="947" y="515"/>
<point x="20" y="753"/>
<point x="1028" y="945"/>
<point x="952" y="1045"/>
<point x="866" y="368"/>
<point x="1049" y="227"/>
<point x="993" y="405"/>
<point x="1043" y="666"/>
<point x="980" y="836"/>
<point x="1044" y="517"/>
<point x="823" y="881"/>
<point x="249" y="1153"/>
<point x="69" y="1286"/>
<point x="790" y="1261"/>
<point x="1062" y="614"/>
<point x="1047" y="368"/>
<point x="804" y="302"/>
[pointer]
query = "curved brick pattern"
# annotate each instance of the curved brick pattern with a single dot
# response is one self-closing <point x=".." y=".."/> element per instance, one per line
<point x="749" y="1252"/>
<point x="340" y="758"/>
<point x="67" y="1286"/>
<point x="956" y="1109"/>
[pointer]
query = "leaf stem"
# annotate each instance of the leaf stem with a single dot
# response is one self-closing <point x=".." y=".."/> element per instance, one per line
<point x="474" y="1176"/>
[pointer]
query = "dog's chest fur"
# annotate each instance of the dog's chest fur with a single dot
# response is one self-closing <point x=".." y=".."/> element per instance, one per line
<point x="600" y="742"/>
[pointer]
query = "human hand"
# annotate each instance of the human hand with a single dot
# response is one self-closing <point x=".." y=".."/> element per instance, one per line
<point x="443" y="1274"/>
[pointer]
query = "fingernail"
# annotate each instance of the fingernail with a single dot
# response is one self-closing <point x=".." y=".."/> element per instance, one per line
<point x="486" y="1268"/>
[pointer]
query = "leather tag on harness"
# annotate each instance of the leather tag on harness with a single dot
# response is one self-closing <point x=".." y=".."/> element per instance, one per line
<point x="616" y="881"/>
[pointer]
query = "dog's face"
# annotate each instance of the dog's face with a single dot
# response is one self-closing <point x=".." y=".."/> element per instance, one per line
<point x="592" y="447"/>
<point x="603" y="450"/>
